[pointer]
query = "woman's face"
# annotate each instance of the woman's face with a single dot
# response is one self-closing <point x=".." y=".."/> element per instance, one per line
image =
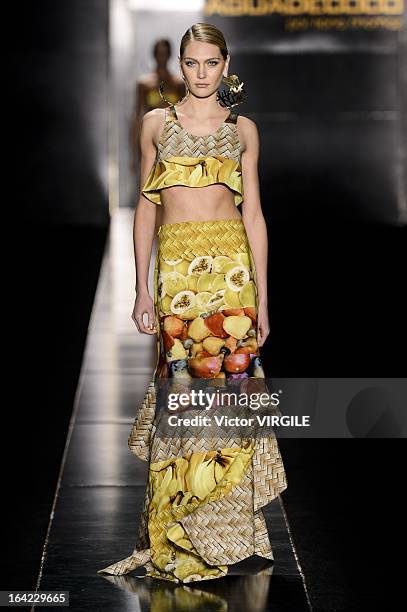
<point x="203" y="66"/>
<point x="162" y="55"/>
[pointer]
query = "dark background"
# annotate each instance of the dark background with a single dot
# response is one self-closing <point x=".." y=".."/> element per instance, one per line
<point x="330" y="128"/>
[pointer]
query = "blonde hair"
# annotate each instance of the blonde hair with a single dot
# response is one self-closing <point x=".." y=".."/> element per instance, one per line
<point x="204" y="32"/>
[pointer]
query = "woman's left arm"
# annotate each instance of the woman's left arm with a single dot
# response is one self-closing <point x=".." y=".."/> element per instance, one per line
<point x="254" y="221"/>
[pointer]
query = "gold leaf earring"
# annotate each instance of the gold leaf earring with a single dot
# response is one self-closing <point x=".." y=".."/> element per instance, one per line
<point x="236" y="92"/>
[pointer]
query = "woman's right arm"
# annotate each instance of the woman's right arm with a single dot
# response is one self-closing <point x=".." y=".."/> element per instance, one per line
<point x="144" y="227"/>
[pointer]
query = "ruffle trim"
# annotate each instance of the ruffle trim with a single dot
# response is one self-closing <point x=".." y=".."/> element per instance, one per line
<point x="194" y="172"/>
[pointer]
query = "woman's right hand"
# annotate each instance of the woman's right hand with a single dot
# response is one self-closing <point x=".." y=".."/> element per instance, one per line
<point x="144" y="304"/>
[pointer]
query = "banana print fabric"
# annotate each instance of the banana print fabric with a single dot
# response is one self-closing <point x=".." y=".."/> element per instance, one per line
<point x="194" y="172"/>
<point x="177" y="487"/>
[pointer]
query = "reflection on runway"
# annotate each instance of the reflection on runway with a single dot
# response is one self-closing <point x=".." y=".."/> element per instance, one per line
<point x="240" y="590"/>
<point x="249" y="592"/>
<point x="101" y="486"/>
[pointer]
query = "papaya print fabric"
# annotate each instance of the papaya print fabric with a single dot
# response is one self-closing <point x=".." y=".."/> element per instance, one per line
<point x="206" y="302"/>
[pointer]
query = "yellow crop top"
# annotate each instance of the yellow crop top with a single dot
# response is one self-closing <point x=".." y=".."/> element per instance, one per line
<point x="195" y="161"/>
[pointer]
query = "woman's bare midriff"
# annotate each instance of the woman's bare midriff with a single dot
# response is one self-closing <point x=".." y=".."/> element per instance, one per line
<point x="181" y="203"/>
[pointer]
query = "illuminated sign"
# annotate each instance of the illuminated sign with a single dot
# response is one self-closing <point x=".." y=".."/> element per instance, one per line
<point x="304" y="7"/>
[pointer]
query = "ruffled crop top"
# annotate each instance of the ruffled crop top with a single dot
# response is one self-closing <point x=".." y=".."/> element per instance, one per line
<point x="195" y="161"/>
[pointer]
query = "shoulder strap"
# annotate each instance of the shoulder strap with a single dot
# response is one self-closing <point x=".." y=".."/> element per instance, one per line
<point x="232" y="117"/>
<point x="171" y="112"/>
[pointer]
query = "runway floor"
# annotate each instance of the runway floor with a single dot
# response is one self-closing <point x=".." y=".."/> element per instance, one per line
<point x="101" y="484"/>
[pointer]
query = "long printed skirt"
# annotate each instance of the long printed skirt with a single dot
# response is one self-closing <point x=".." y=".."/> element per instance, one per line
<point x="204" y="497"/>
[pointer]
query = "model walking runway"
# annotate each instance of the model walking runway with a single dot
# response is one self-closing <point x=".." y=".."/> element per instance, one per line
<point x="204" y="497"/>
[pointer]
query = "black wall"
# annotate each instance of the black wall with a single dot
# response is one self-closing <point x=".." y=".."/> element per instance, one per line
<point x="331" y="109"/>
<point x="59" y="133"/>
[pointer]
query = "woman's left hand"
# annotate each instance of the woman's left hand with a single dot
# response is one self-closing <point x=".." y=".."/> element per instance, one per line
<point x="263" y="326"/>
